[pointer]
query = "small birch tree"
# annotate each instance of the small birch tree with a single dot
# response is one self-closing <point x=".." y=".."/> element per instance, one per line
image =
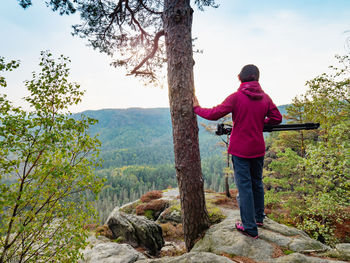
<point x="46" y="163"/>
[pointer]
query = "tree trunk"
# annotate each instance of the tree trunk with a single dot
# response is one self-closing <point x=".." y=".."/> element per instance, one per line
<point x="227" y="187"/>
<point x="177" y="20"/>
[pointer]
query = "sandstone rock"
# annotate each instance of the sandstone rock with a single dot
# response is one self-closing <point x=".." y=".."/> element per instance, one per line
<point x="300" y="258"/>
<point x="170" y="216"/>
<point x="193" y="257"/>
<point x="101" y="250"/>
<point x="289" y="237"/>
<point x="341" y="251"/>
<point x="282" y="229"/>
<point x="136" y="230"/>
<point x="344" y="250"/>
<point x="224" y="238"/>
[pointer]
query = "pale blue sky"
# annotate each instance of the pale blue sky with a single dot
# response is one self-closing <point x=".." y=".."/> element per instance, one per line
<point x="290" y="41"/>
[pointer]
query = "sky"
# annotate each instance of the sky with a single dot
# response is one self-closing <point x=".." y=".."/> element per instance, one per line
<point x="290" y="41"/>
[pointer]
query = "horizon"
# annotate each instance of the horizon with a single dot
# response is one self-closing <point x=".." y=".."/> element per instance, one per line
<point x="144" y="108"/>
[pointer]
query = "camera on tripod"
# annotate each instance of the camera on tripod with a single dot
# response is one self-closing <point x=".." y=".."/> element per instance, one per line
<point x="223" y="128"/>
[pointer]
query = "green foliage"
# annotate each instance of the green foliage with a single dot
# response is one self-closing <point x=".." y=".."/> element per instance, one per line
<point x="63" y="6"/>
<point x="149" y="214"/>
<point x="215" y="214"/>
<point x="287" y="251"/>
<point x="9" y="66"/>
<point x="319" y="216"/>
<point x="46" y="163"/>
<point x="311" y="175"/>
<point x="328" y="164"/>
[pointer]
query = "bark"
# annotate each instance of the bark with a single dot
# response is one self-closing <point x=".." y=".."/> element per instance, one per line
<point x="177" y="20"/>
<point x="302" y="146"/>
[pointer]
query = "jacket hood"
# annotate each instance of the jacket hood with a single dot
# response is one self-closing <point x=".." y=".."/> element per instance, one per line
<point x="252" y="89"/>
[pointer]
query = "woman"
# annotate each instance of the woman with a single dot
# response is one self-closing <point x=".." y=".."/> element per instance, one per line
<point x="251" y="108"/>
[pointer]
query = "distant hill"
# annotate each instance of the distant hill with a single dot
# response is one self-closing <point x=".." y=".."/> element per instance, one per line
<point x="138" y="136"/>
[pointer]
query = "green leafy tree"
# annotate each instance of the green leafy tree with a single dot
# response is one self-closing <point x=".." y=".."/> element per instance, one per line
<point x="46" y="163"/>
<point x="9" y="66"/>
<point x="327" y="100"/>
<point x="298" y="139"/>
<point x="314" y="186"/>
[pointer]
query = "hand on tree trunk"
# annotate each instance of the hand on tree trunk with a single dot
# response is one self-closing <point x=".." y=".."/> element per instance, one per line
<point x="195" y="101"/>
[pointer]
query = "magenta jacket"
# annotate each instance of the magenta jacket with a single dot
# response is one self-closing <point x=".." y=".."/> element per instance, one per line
<point x="251" y="108"/>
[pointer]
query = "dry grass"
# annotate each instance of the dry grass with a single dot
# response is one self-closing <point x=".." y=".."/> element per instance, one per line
<point x="147" y="197"/>
<point x="342" y="230"/>
<point x="172" y="231"/>
<point x="91" y="227"/>
<point x="154" y="205"/>
<point x="219" y="200"/>
<point x="222" y="200"/>
<point x="174" y="251"/>
<point x="239" y="259"/>
<point x="105" y="231"/>
<point x="277" y="251"/>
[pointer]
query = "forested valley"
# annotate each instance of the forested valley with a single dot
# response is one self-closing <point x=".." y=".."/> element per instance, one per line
<point x="137" y="154"/>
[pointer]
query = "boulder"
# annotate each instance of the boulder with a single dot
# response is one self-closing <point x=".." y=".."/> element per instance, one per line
<point x="101" y="250"/>
<point x="344" y="250"/>
<point x="223" y="238"/>
<point x="136" y="231"/>
<point x="300" y="258"/>
<point x="192" y="257"/>
<point x="341" y="251"/>
<point x="290" y="238"/>
<point x="169" y="215"/>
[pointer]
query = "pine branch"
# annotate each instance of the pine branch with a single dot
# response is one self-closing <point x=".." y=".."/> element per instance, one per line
<point x="149" y="56"/>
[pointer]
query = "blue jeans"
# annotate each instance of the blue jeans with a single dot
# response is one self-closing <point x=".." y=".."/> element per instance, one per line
<point x="248" y="179"/>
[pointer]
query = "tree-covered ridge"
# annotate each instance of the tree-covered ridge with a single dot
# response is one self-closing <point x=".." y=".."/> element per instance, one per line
<point x="139" y="136"/>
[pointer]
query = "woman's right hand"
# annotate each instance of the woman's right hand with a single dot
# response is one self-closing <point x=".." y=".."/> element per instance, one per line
<point x="195" y="101"/>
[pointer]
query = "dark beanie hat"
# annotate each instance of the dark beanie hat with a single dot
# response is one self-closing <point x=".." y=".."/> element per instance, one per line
<point x="249" y="73"/>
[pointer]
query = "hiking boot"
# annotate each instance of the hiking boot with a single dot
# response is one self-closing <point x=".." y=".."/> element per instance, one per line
<point x="260" y="224"/>
<point x="241" y="229"/>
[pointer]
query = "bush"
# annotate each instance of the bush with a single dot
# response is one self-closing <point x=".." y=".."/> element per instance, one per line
<point x="152" y="209"/>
